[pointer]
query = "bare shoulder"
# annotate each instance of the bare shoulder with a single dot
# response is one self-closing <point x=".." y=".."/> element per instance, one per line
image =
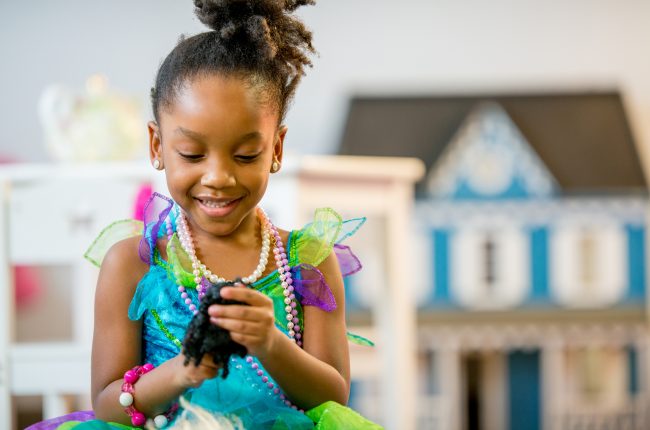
<point x="331" y="271"/>
<point x="125" y="253"/>
<point x="122" y="265"/>
<point x="331" y="264"/>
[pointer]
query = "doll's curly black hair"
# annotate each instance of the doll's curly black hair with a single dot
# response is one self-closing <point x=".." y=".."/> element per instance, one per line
<point x="203" y="337"/>
<point x="260" y="41"/>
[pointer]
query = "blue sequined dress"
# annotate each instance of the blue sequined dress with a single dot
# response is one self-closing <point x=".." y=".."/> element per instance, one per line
<point x="257" y="402"/>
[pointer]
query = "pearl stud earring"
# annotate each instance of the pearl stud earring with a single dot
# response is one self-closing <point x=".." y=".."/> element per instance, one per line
<point x="275" y="166"/>
<point x="156" y="164"/>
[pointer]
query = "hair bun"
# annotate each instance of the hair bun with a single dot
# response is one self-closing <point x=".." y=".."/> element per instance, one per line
<point x="211" y="13"/>
<point x="223" y="14"/>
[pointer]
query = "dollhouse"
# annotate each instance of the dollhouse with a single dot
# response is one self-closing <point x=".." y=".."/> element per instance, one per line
<point x="529" y="239"/>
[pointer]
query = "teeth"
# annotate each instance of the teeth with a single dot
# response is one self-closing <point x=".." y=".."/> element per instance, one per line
<point x="211" y="204"/>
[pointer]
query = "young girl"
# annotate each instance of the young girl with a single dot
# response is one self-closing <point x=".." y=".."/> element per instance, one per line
<point x="219" y="102"/>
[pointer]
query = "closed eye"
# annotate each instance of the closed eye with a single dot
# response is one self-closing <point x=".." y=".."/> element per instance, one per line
<point x="190" y="156"/>
<point x="247" y="158"/>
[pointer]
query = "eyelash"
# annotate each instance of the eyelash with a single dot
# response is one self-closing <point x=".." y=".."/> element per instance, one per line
<point x="248" y="158"/>
<point x="196" y="157"/>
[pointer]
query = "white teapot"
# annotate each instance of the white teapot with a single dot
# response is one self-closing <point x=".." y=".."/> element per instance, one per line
<point x="98" y="125"/>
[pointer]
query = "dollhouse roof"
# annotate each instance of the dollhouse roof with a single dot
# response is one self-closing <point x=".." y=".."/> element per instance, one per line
<point x="584" y="139"/>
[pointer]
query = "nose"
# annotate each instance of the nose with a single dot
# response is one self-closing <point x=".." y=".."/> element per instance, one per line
<point x="218" y="175"/>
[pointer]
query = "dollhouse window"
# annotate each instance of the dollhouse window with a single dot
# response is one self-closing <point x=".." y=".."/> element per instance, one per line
<point x="588" y="263"/>
<point x="489" y="266"/>
<point x="587" y="260"/>
<point x="489" y="262"/>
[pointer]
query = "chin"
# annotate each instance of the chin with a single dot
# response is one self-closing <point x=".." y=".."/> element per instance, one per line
<point x="222" y="225"/>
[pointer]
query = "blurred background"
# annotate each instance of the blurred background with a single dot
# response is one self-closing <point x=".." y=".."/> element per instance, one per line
<point x="519" y="228"/>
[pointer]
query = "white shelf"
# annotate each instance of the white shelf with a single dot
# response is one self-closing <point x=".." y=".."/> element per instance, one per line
<point x="49" y="215"/>
<point x="38" y="368"/>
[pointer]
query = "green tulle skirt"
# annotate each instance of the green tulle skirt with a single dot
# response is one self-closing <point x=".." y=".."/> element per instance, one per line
<point x="328" y="416"/>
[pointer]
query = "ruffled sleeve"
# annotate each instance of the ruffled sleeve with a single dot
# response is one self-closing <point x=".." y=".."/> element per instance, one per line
<point x="147" y="297"/>
<point x="156" y="210"/>
<point x="117" y="231"/>
<point x="312" y="245"/>
<point x="316" y="240"/>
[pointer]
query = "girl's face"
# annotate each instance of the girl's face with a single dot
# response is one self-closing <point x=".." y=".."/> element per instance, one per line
<point x="217" y="143"/>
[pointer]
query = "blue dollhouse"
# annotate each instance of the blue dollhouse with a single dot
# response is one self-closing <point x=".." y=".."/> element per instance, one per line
<point x="530" y="239"/>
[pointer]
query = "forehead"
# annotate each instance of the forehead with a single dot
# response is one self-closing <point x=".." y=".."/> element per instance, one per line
<point x="218" y="104"/>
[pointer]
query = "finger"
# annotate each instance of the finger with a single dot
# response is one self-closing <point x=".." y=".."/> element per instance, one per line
<point x="251" y="313"/>
<point x="237" y="326"/>
<point x="244" y="339"/>
<point x="246" y="295"/>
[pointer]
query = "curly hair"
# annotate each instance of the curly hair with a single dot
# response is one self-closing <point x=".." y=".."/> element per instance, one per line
<point x="259" y="41"/>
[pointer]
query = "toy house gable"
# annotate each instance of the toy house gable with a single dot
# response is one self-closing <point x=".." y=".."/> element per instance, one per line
<point x="489" y="158"/>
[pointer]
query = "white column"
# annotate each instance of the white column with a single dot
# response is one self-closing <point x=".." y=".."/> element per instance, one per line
<point x="493" y="391"/>
<point x="552" y="384"/>
<point x="6" y="311"/>
<point x="450" y="387"/>
<point x="396" y="315"/>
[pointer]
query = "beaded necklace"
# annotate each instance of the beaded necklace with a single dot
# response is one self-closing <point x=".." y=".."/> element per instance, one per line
<point x="202" y="273"/>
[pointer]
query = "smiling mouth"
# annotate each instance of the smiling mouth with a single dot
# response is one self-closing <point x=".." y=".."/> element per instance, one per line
<point x="217" y="203"/>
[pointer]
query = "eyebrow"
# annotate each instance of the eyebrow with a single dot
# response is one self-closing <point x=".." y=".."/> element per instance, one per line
<point x="249" y="136"/>
<point x="200" y="137"/>
<point x="194" y="135"/>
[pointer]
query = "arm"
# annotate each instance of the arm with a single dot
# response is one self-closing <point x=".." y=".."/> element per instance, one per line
<point x="309" y="376"/>
<point x="117" y="344"/>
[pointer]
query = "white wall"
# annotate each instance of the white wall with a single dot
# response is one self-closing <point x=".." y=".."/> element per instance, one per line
<point x="366" y="46"/>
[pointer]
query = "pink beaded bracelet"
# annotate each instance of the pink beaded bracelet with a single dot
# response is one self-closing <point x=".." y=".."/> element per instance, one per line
<point x="126" y="398"/>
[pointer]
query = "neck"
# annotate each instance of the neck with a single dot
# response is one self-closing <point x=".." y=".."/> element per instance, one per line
<point x="245" y="234"/>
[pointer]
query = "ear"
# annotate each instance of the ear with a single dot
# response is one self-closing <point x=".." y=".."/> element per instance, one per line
<point x="278" y="145"/>
<point x="155" y="143"/>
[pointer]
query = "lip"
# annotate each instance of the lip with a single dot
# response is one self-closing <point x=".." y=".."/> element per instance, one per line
<point x="221" y="211"/>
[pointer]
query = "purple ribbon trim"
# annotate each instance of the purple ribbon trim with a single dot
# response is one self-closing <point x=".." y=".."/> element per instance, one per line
<point x="154" y="216"/>
<point x="310" y="283"/>
<point x="348" y="262"/>
<point x="311" y="287"/>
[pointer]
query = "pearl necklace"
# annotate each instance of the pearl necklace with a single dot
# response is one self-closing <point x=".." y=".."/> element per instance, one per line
<point x="201" y="272"/>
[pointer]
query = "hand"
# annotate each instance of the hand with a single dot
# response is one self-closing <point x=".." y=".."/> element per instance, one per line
<point x="192" y="375"/>
<point x="252" y="326"/>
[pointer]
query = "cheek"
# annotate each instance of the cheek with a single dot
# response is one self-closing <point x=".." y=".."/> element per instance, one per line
<point x="179" y="179"/>
<point x="260" y="177"/>
<point x="256" y="179"/>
